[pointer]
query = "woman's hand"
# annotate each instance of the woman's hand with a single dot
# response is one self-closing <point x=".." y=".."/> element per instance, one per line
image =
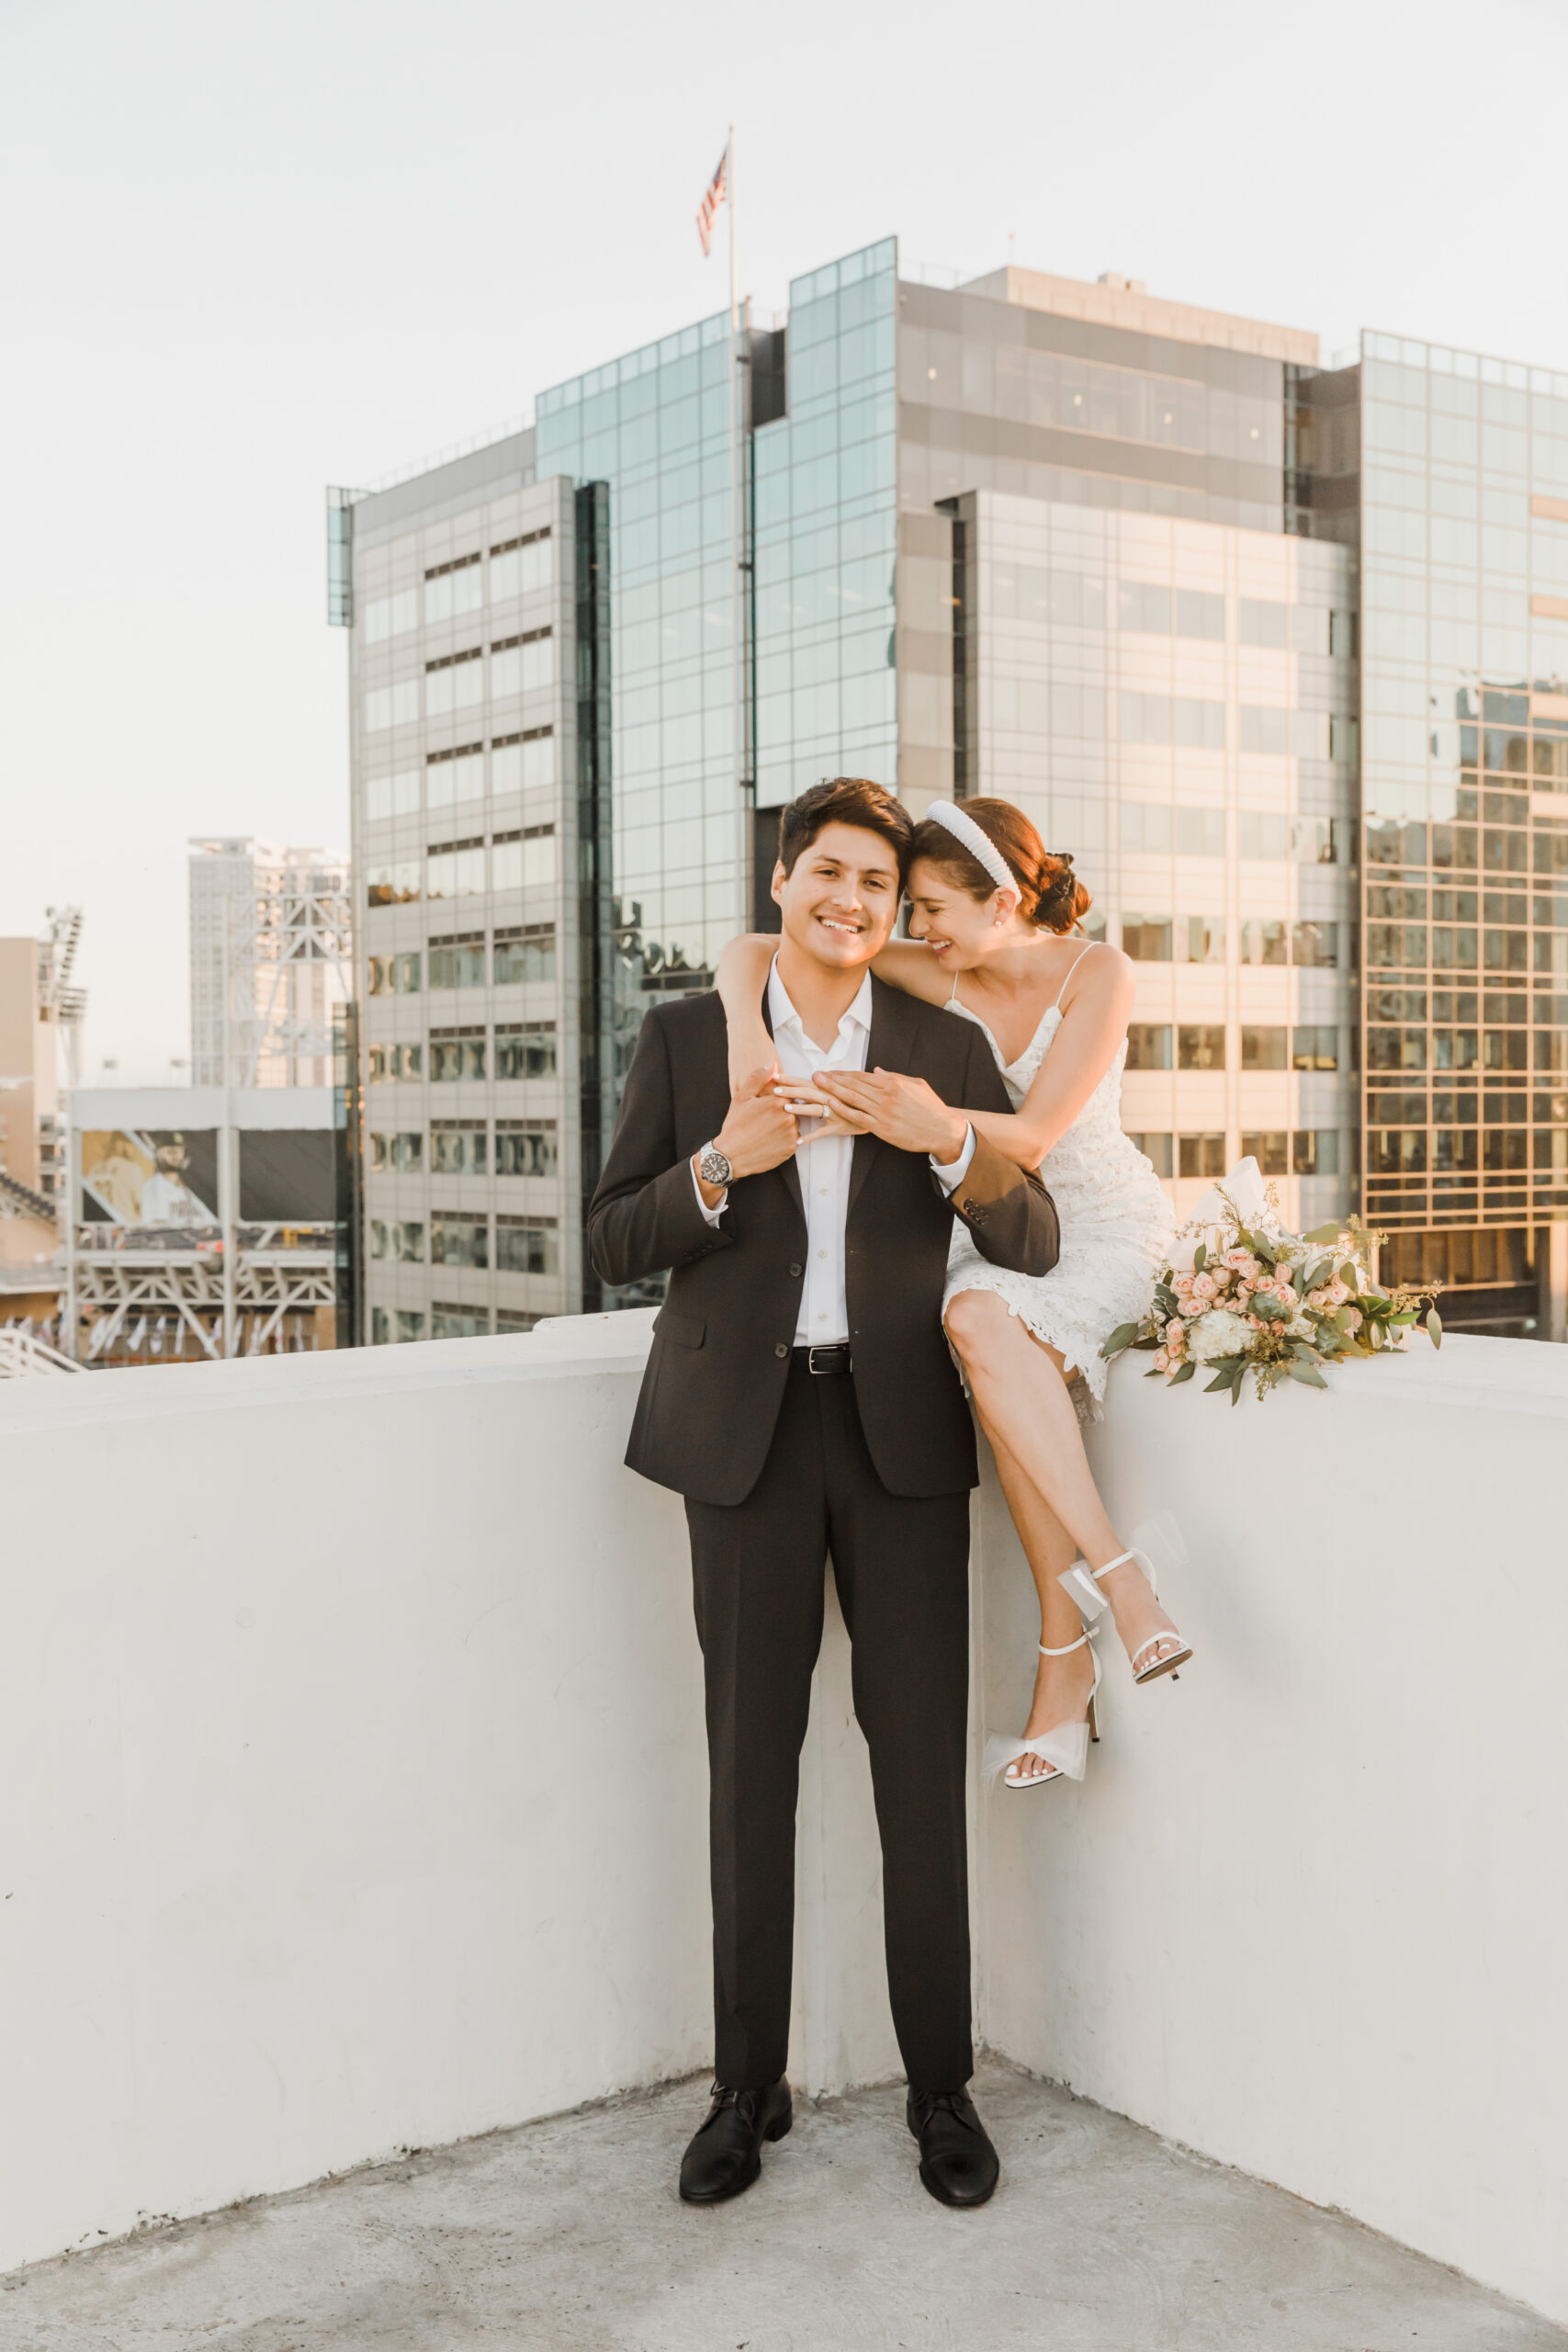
<point x="751" y="1054"/>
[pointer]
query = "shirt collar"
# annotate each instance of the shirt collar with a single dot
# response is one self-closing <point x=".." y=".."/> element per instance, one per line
<point x="782" y="1013"/>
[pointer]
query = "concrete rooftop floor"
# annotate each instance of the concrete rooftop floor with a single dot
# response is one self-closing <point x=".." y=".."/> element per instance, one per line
<point x="569" y="2234"/>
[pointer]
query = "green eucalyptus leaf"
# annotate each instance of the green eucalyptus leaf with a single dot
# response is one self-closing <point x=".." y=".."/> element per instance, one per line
<point x="1183" y="1372"/>
<point x="1309" y="1373"/>
<point x="1200" y="1257"/>
<point x="1434" y="1327"/>
<point x="1123" y="1337"/>
<point x="1324" y="1235"/>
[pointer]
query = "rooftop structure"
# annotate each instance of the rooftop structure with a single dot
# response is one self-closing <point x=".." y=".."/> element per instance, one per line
<point x="355" y="1844"/>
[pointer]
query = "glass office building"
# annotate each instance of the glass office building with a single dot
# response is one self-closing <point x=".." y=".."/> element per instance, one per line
<point x="1278" y="651"/>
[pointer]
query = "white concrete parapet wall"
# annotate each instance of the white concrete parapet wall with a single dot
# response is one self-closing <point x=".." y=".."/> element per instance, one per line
<point x="350" y="1736"/>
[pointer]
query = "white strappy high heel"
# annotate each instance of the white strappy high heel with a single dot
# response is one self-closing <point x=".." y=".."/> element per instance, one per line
<point x="1082" y="1582"/>
<point x="1064" y="1750"/>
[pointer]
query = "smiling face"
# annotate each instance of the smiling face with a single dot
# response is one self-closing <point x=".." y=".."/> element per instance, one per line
<point x="840" y="900"/>
<point x="961" y="931"/>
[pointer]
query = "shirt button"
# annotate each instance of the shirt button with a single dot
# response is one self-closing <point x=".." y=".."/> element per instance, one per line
<point x="800" y="1270"/>
<point x="822" y="1317"/>
<point x="823" y="1189"/>
<point x="821" y="1253"/>
<point x="780" y="1348"/>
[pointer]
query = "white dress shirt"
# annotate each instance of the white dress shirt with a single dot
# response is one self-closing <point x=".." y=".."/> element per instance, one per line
<point x="824" y="1163"/>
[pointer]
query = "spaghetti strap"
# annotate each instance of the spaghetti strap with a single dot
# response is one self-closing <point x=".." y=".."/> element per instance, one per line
<point x="1067" y="975"/>
<point x="953" y="998"/>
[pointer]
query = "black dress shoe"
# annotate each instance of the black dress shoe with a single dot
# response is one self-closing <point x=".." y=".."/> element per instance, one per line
<point x="725" y="2155"/>
<point x="958" y="2164"/>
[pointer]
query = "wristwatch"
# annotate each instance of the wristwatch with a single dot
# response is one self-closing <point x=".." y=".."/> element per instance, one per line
<point x="712" y="1167"/>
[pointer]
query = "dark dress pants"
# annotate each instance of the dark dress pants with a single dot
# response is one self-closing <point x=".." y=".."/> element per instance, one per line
<point x="901" y="1569"/>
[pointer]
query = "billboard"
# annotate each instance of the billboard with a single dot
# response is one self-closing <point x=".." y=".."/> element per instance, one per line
<point x="150" y="1176"/>
<point x="167" y="1177"/>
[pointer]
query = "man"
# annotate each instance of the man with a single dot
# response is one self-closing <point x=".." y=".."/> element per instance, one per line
<point x="800" y="1395"/>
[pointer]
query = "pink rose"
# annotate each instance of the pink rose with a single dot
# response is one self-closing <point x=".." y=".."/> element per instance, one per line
<point x="1204" y="1286"/>
<point x="1162" y="1360"/>
<point x="1173" y="1331"/>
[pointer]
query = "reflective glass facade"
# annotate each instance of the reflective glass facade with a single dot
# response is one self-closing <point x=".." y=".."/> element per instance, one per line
<point x="1463" y="516"/>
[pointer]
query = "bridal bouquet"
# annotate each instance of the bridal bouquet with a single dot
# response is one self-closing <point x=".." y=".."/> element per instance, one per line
<point x="1243" y="1295"/>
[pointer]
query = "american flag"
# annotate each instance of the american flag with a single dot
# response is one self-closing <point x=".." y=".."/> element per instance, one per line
<point x="714" y="196"/>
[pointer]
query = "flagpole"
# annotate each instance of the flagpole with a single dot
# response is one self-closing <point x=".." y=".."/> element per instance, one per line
<point x="736" y="542"/>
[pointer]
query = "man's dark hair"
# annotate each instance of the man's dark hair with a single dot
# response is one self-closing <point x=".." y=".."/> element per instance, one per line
<point x="845" y="800"/>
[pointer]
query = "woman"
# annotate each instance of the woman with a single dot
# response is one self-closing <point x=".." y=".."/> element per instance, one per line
<point x="991" y="922"/>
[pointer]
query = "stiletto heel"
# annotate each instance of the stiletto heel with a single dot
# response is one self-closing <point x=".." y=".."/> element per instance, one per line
<point x="1064" y="1750"/>
<point x="1081" y="1582"/>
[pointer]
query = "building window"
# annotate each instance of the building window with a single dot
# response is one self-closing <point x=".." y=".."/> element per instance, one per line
<point x="392" y="707"/>
<point x="1268" y="1146"/>
<point x="518" y="567"/>
<point x="381" y="1326"/>
<point x="455" y="869"/>
<point x="1263" y="1048"/>
<point x="392" y="883"/>
<point x="401" y="1154"/>
<point x="1266" y="730"/>
<point x="1261" y="621"/>
<point x="524" y="1049"/>
<point x="1205" y="938"/>
<point x="1201" y="1155"/>
<point x="524" y="762"/>
<point x="392" y="795"/>
<point x="514" y="1319"/>
<point x="526" y="1245"/>
<point x="458" y="960"/>
<point x="391" y="616"/>
<point x="1316" y="1047"/>
<point x="1263" y="941"/>
<point x="1160" y="719"/>
<point x="411" y="1323"/>
<point x="1155" y="1150"/>
<point x="1200" y="1046"/>
<point x="1315" y="1152"/>
<point x="459" y="1241"/>
<point x="1146" y="938"/>
<point x="392" y="1237"/>
<point x="1154" y="830"/>
<point x="394" y="975"/>
<point x="448" y="1322"/>
<point x="1262" y="835"/>
<point x="525" y="1147"/>
<point x="1150" y="610"/>
<point x="526" y="952"/>
<point x="451" y="589"/>
<point x="522" y="665"/>
<point x="1316" y="943"/>
<point x="455" y="1053"/>
<point x="1148" y="1044"/>
<point x="454" y="682"/>
<point x="523" y="861"/>
<point x="454" y="775"/>
<point x="1322" y="841"/>
<point x="395" y="1061"/>
<point x="457" y="1147"/>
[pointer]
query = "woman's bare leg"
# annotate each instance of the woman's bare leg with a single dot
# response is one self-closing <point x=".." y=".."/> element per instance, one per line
<point x="1061" y="1685"/>
<point x="1021" y="1395"/>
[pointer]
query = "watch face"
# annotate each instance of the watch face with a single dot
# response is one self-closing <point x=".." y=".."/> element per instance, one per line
<point x="714" y="1167"/>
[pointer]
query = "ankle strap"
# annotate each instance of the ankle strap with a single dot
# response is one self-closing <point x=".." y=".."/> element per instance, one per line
<point x="1082" y="1638"/>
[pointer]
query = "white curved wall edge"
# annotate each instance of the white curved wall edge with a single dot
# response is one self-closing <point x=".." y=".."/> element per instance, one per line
<point x="351" y="1730"/>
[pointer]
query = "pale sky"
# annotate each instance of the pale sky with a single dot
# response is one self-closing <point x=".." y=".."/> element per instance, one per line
<point x="252" y="250"/>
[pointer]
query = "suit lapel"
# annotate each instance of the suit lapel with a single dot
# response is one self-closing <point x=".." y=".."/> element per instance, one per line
<point x="887" y="1048"/>
<point x="789" y="1169"/>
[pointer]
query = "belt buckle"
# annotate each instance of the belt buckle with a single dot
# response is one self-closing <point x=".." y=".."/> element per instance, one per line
<point x="838" y="1350"/>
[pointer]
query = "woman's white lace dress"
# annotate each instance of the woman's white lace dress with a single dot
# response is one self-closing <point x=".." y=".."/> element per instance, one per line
<point x="1117" y="1223"/>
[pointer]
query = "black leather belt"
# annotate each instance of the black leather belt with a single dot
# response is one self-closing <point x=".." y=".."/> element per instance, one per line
<point x="825" y="1360"/>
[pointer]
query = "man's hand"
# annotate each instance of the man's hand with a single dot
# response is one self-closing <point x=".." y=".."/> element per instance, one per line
<point x="904" y="1111"/>
<point x="759" y="1132"/>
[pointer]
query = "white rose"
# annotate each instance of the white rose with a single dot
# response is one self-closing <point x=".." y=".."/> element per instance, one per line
<point x="1218" y="1333"/>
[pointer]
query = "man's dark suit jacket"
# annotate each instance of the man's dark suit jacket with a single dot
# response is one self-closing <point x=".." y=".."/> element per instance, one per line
<point x="716" y="1378"/>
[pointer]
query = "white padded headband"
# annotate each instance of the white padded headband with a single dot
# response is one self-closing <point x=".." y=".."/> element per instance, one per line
<point x="979" y="844"/>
